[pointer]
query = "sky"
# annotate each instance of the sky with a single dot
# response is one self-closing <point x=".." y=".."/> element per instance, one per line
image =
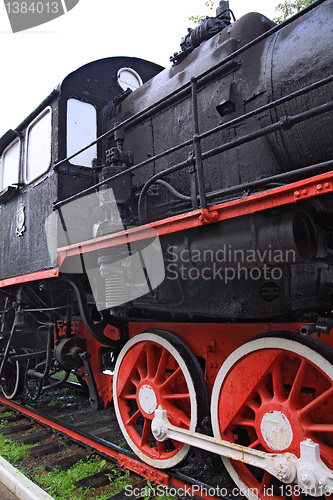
<point x="34" y="61"/>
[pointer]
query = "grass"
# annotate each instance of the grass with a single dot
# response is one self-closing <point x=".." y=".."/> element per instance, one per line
<point x="13" y="452"/>
<point x="63" y="394"/>
<point x="61" y="484"/>
<point x="5" y="414"/>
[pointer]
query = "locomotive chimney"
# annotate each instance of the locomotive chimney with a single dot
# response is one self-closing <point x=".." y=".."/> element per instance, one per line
<point x="222" y="11"/>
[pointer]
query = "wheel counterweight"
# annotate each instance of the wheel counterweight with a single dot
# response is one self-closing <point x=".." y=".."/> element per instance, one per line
<point x="271" y="394"/>
<point x="157" y="369"/>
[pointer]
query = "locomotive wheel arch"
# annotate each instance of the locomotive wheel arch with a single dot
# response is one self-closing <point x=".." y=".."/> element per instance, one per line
<point x="159" y="355"/>
<point x="309" y="368"/>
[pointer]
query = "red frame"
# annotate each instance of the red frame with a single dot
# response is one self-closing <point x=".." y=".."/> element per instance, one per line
<point x="284" y="195"/>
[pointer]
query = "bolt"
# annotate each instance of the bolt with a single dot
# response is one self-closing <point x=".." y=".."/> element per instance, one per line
<point x="305" y="478"/>
<point x="158" y="430"/>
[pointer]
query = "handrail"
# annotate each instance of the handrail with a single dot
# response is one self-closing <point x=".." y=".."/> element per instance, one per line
<point x="282" y="124"/>
<point x="203" y="135"/>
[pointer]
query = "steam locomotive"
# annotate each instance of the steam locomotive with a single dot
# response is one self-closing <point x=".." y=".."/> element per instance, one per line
<point x="167" y="237"/>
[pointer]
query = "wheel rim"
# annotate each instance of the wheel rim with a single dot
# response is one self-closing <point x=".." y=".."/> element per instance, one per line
<point x="285" y="386"/>
<point x="151" y="371"/>
<point x="11" y="385"/>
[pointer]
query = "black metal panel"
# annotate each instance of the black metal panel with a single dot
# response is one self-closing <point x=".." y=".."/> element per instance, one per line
<point x="24" y="249"/>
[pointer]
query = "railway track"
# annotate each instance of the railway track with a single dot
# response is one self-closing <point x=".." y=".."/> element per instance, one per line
<point x="98" y="432"/>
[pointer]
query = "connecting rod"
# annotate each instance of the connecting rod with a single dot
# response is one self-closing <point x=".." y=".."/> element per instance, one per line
<point x="309" y="472"/>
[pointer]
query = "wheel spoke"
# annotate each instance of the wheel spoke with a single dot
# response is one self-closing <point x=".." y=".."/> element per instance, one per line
<point x="278" y="387"/>
<point x="160" y="447"/>
<point x="298" y="383"/>
<point x="265" y="482"/>
<point x="146" y="432"/>
<point x="253" y="405"/>
<point x="177" y="396"/>
<point x="173" y="377"/>
<point x="294" y="495"/>
<point x="244" y="422"/>
<point x="133" y="418"/>
<point x="184" y="419"/>
<point x="129" y="389"/>
<point x="319" y="427"/>
<point x="176" y="444"/>
<point x="263" y="393"/>
<point x="160" y="372"/>
<point x="176" y="415"/>
<point x="151" y="360"/>
<point x="316" y="403"/>
<point x="129" y="397"/>
<point x="255" y="444"/>
<point x="142" y="371"/>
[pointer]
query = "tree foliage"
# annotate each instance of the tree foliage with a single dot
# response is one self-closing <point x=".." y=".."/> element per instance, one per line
<point x="284" y="9"/>
<point x="288" y="8"/>
<point x="199" y="19"/>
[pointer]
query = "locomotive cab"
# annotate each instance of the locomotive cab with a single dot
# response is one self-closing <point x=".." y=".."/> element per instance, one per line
<point x="32" y="176"/>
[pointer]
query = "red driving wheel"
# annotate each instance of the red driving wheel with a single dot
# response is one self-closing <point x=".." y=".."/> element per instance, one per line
<point x="271" y="394"/>
<point x="156" y="368"/>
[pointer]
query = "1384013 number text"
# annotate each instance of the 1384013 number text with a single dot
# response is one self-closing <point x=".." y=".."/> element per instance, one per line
<point x="32" y="7"/>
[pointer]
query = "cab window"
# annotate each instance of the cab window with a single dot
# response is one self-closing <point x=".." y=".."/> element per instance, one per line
<point x="129" y="79"/>
<point x="81" y="131"/>
<point x="10" y="164"/>
<point x="38" y="146"/>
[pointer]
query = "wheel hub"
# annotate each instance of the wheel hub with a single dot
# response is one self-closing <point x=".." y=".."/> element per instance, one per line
<point x="147" y="399"/>
<point x="276" y="430"/>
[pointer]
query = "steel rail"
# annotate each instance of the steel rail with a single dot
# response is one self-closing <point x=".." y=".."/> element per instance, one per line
<point x="124" y="458"/>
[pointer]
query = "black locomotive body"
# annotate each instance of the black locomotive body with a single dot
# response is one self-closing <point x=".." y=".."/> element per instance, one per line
<point x="175" y="227"/>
